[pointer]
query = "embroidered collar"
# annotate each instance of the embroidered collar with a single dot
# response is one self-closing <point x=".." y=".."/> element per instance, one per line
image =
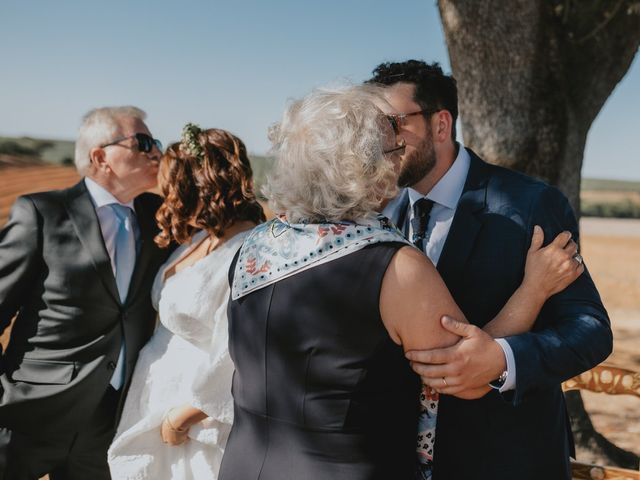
<point x="277" y="249"/>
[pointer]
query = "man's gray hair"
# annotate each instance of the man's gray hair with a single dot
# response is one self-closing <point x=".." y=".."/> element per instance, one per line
<point x="100" y="126"/>
<point x="330" y="164"/>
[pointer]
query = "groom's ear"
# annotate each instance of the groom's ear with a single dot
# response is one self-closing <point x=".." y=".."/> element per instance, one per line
<point x="442" y="123"/>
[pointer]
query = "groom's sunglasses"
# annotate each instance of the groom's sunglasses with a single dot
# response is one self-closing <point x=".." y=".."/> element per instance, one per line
<point x="399" y="120"/>
<point x="145" y="142"/>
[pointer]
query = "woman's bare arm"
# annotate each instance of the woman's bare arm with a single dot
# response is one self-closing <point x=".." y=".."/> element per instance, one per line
<point x="413" y="298"/>
<point x="548" y="271"/>
<point x="177" y="422"/>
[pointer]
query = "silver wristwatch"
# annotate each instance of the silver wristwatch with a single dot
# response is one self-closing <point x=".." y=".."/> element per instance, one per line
<point x="499" y="382"/>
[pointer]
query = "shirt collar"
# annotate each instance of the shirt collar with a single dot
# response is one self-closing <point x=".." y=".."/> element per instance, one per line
<point x="101" y="197"/>
<point x="448" y="189"/>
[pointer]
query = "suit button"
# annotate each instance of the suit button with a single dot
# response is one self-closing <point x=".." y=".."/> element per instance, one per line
<point x="111" y="365"/>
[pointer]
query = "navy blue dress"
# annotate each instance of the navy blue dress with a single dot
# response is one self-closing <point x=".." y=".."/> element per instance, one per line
<point x="320" y="389"/>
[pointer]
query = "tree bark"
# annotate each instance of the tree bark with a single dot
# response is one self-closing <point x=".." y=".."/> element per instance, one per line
<point x="532" y="76"/>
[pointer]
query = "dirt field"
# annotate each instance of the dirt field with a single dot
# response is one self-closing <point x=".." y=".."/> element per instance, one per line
<point x="15" y="181"/>
<point x="612" y="252"/>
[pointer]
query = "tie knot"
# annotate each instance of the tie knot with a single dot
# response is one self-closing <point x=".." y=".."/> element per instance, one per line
<point x="121" y="211"/>
<point x="422" y="207"/>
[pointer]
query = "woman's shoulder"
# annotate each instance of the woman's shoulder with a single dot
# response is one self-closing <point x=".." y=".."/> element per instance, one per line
<point x="238" y="238"/>
<point x="220" y="259"/>
<point x="409" y="264"/>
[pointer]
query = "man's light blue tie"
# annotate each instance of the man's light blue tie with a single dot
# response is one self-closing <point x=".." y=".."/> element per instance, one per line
<point x="125" y="260"/>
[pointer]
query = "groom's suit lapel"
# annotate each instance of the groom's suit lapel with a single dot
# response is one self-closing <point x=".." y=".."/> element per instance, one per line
<point x="466" y="223"/>
<point x="85" y="221"/>
<point x="397" y="209"/>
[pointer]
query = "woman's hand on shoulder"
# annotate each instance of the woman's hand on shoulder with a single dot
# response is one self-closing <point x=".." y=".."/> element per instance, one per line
<point x="553" y="268"/>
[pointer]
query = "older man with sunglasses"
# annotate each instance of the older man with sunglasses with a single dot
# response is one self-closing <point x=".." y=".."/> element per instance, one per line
<point x="76" y="268"/>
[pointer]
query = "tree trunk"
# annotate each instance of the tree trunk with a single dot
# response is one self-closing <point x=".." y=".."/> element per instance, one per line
<point x="532" y="76"/>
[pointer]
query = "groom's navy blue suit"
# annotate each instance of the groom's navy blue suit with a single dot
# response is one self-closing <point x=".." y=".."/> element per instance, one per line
<point x="525" y="433"/>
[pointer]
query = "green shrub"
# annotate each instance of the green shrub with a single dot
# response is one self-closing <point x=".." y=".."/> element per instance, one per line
<point x="622" y="209"/>
<point x="11" y="147"/>
<point x="261" y="167"/>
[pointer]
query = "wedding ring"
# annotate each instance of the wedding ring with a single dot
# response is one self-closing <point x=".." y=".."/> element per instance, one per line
<point x="445" y="382"/>
<point x="578" y="258"/>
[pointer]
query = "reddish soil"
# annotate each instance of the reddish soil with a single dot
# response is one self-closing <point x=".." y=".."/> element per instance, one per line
<point x="19" y="180"/>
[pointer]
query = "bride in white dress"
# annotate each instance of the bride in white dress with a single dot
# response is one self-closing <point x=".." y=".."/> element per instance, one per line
<point x="179" y="410"/>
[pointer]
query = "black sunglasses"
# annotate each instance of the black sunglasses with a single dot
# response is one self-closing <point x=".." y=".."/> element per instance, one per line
<point x="144" y="141"/>
<point x="399" y="120"/>
<point x="400" y="149"/>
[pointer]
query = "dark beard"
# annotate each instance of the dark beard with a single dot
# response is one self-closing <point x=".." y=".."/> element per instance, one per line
<point x="418" y="164"/>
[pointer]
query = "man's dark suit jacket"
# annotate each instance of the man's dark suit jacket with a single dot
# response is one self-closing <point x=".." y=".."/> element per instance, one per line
<point x="55" y="273"/>
<point x="523" y="434"/>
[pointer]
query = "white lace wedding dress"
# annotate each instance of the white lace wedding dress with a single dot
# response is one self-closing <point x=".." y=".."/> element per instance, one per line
<point x="186" y="361"/>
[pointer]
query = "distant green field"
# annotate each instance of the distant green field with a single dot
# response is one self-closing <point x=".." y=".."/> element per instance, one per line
<point x="61" y="151"/>
<point x="51" y="151"/>
<point x="594" y="184"/>
<point x="261" y="166"/>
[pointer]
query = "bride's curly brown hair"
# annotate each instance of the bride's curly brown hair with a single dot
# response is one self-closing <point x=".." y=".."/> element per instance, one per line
<point x="210" y="190"/>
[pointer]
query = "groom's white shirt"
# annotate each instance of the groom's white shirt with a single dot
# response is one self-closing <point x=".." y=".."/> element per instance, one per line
<point x="445" y="196"/>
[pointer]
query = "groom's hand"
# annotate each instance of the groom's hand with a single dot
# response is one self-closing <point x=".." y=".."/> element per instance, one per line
<point x="463" y="369"/>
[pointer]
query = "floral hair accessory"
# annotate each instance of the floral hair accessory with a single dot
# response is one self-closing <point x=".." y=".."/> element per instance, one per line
<point x="190" y="142"/>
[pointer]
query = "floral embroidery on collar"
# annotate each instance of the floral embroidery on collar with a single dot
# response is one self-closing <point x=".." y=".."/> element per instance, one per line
<point x="277" y="249"/>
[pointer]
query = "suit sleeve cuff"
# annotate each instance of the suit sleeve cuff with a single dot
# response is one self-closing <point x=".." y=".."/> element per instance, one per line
<point x="510" y="382"/>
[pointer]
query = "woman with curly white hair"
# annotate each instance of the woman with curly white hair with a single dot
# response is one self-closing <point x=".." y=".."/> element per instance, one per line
<point x="327" y="296"/>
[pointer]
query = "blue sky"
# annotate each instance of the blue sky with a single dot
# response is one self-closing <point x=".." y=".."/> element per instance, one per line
<point x="231" y="65"/>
